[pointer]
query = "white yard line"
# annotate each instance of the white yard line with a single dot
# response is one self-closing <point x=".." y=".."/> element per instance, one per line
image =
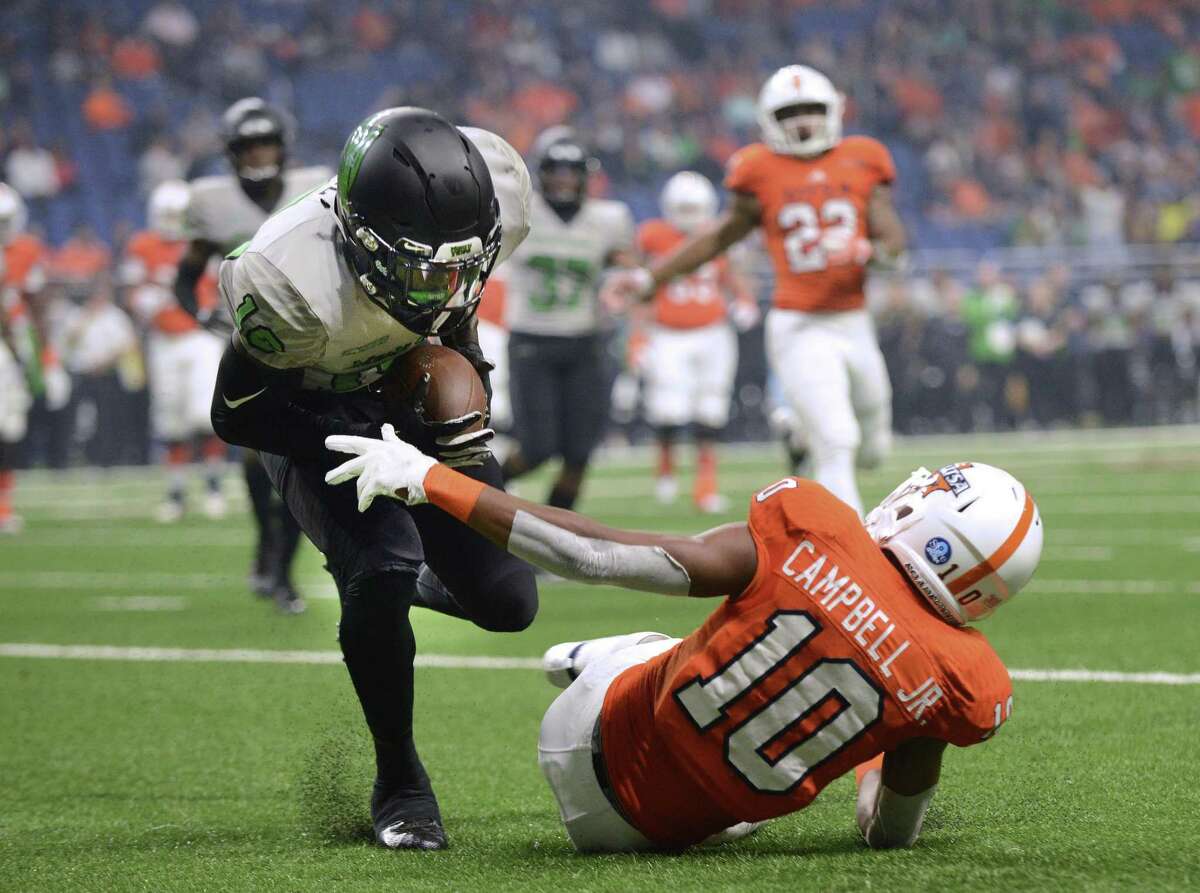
<point x="459" y="662"/>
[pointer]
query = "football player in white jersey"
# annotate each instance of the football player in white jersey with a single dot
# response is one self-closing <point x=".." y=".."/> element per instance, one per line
<point x="223" y="212"/>
<point x="558" y="376"/>
<point x="328" y="293"/>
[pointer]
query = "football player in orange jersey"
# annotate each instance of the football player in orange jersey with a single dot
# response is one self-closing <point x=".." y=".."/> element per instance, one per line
<point x="690" y="360"/>
<point x="182" y="357"/>
<point x="14" y="395"/>
<point x="29" y="368"/>
<point x="824" y="203"/>
<point x="838" y="646"/>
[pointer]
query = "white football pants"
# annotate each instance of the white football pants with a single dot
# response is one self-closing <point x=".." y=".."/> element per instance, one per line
<point x="565" y="751"/>
<point x="183" y="372"/>
<point x="834" y="378"/>
<point x="689" y="375"/>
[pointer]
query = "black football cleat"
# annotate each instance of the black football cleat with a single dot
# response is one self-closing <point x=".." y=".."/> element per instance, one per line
<point x="412" y="834"/>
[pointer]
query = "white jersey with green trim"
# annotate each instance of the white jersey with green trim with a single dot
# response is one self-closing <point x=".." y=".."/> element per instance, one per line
<point x="553" y="278"/>
<point x="220" y="211"/>
<point x="297" y="304"/>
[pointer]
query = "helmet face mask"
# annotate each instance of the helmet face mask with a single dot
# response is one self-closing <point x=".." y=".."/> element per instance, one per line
<point x="427" y="292"/>
<point x="418" y="218"/>
<point x="563" y="168"/>
<point x="968" y="536"/>
<point x="256" y="139"/>
<point x="800" y="112"/>
<point x="258" y="160"/>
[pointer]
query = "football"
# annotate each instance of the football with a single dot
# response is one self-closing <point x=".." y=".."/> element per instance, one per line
<point x="454" y="387"/>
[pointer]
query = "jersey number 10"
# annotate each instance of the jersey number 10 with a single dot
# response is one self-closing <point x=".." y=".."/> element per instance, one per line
<point x="751" y="747"/>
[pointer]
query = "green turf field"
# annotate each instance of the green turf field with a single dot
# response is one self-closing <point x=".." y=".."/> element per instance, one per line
<point x="222" y="770"/>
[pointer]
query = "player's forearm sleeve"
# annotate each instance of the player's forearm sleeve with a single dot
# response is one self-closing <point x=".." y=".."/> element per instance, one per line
<point x="895" y="820"/>
<point x="251" y="408"/>
<point x="588" y="560"/>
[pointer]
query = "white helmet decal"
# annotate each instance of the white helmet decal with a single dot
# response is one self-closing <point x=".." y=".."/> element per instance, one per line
<point x="969" y="536"/>
<point x="800" y="85"/>
<point x="688" y="200"/>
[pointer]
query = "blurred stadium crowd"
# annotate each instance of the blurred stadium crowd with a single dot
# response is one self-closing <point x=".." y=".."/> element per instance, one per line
<point x="1046" y="153"/>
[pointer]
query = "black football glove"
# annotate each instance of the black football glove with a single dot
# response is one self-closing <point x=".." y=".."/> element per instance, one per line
<point x="448" y="440"/>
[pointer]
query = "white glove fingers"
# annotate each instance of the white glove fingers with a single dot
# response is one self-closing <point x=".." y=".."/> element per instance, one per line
<point x="346" y="471"/>
<point x="349" y="443"/>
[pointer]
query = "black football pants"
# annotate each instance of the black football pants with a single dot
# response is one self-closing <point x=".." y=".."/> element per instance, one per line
<point x="374" y="558"/>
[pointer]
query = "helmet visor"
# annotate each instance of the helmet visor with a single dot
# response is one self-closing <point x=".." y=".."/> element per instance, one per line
<point x="418" y="290"/>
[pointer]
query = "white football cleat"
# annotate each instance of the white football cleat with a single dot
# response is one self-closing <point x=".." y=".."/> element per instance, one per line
<point x="214" y="506"/>
<point x="564" y="662"/>
<point x="169" y="512"/>
<point x="12" y="525"/>
<point x="712" y="504"/>
<point x="559" y="663"/>
<point x="666" y="489"/>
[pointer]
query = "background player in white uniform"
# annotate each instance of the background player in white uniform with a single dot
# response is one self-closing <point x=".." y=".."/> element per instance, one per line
<point x="690" y="360"/>
<point x="557" y="348"/>
<point x="223" y="212"/>
<point x="825" y="206"/>
<point x="182" y="357"/>
<point x="329" y="292"/>
<point x="14" y="395"/>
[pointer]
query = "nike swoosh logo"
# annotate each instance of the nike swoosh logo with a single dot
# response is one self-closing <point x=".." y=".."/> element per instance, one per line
<point x="234" y="404"/>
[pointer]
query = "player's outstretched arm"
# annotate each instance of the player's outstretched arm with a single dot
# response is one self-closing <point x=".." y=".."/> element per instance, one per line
<point x="640" y="283"/>
<point x="742" y="215"/>
<point x="716" y="563"/>
<point x="895" y="791"/>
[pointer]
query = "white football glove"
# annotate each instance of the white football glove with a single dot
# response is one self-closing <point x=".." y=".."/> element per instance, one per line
<point x="388" y="467"/>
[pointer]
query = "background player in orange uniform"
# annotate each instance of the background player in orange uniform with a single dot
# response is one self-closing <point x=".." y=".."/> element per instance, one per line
<point x="825" y="205"/>
<point x="837" y="644"/>
<point x="690" y="359"/>
<point x="29" y="368"/>
<point x="182" y="357"/>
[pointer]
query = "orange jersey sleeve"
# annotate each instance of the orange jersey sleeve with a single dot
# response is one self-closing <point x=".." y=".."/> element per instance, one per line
<point x="690" y="301"/>
<point x="25" y="259"/>
<point x="826" y="660"/>
<point x="804" y="198"/>
<point x="150" y="262"/>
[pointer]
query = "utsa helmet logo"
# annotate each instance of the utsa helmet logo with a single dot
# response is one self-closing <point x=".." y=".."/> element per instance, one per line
<point x="949" y="479"/>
